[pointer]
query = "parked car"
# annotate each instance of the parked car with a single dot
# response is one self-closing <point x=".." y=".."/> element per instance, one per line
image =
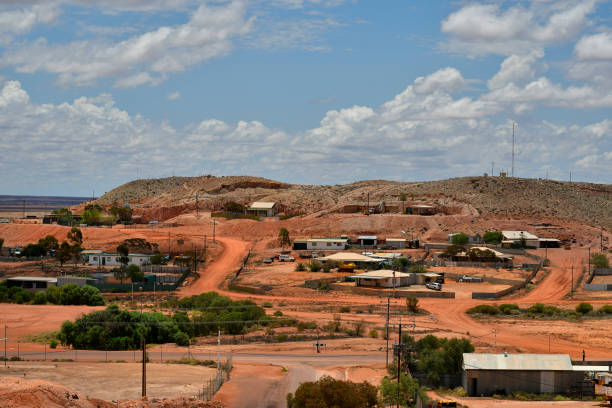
<point x="314" y="255"/>
<point x="434" y="286"/>
<point x="467" y="278"/>
<point x="267" y="260"/>
<point x="286" y="258"/>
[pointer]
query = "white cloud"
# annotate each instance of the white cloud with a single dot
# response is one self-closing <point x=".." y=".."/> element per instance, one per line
<point x="479" y="29"/>
<point x="207" y="34"/>
<point x="173" y="96"/>
<point x="516" y="69"/>
<point x="16" y="21"/>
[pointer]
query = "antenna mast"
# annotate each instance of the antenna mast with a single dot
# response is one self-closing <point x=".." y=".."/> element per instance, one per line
<point x="513" y="123"/>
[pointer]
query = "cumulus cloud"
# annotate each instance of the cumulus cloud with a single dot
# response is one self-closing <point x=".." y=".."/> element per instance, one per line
<point x="429" y="130"/>
<point x="14" y="21"/>
<point x="516" y="69"/>
<point x="479" y="29"/>
<point x="593" y="59"/>
<point x="140" y="59"/>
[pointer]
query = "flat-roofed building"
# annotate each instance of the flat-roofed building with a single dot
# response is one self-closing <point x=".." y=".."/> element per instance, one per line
<point x="262" y="209"/>
<point x="327" y="244"/>
<point x="487" y="374"/>
<point x="396" y="242"/>
<point x="510" y="238"/>
<point x="114" y="259"/>
<point x="367" y="240"/>
<point x="31" y="283"/>
<point x="384" y="278"/>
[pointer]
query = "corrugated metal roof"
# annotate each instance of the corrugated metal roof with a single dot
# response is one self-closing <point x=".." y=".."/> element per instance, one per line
<point x="349" y="257"/>
<point x="367" y="237"/>
<point x="593" y="369"/>
<point x="396" y="240"/>
<point x="521" y="362"/>
<point x="381" y="274"/>
<point x="32" y="279"/>
<point x="518" y="235"/>
<point x="343" y="240"/>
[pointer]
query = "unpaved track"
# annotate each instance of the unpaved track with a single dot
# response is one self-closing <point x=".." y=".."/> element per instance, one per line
<point x="229" y="260"/>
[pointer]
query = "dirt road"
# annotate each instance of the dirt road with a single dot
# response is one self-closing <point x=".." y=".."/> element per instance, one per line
<point x="234" y="251"/>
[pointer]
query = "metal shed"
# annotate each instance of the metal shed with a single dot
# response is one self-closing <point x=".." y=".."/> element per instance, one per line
<point x="486" y="374"/>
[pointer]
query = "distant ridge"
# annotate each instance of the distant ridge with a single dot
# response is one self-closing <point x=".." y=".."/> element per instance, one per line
<point x="585" y="202"/>
<point x="38" y="203"/>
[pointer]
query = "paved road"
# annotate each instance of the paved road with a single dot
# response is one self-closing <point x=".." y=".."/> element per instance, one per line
<point x="276" y="358"/>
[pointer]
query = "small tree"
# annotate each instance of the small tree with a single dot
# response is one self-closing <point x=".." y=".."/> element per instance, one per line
<point x="412" y="304"/>
<point x="123" y="251"/>
<point x="408" y="388"/>
<point x="63" y="253"/>
<point x="492" y="237"/>
<point x="459" y="239"/>
<point x="283" y="237"/>
<point x="48" y="243"/>
<point x="135" y="274"/>
<point x="600" y="261"/>
<point x="75" y="235"/>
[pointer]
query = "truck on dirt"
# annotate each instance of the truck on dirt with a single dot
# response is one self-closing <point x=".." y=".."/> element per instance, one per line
<point x="603" y="386"/>
<point x="434" y="286"/>
<point x="286" y="258"/>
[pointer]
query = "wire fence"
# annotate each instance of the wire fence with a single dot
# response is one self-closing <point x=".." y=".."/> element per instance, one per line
<point x="212" y="385"/>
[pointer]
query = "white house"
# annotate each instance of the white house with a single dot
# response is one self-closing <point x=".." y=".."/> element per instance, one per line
<point x="383" y="278"/>
<point x="323" y="244"/>
<point x="262" y="209"/>
<point x="113" y="259"/>
<point x="515" y="237"/>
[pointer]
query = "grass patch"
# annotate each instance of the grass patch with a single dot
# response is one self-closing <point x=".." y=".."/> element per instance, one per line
<point x="194" y="362"/>
<point x="542" y="311"/>
<point x="42" y="338"/>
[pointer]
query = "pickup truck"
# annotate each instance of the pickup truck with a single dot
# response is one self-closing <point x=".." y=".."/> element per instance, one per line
<point x="434" y="286"/>
<point x="467" y="278"/>
<point x="286" y="258"/>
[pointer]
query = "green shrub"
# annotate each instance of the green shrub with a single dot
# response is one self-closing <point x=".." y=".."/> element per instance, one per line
<point x="483" y="309"/>
<point x="267" y="305"/>
<point x="282" y="338"/>
<point x="507" y="308"/>
<point x="300" y="267"/>
<point x="53" y="344"/>
<point x="181" y="339"/>
<point x="600" y="261"/>
<point x="459" y="239"/>
<point x="326" y="268"/>
<point x="374" y="333"/>
<point x="314" y="266"/>
<point x="538" y="308"/>
<point x="278" y="313"/>
<point x="40" y="298"/>
<point x="584" y="308"/>
<point x="605" y="309"/>
<point x="345" y="309"/>
<point x="301" y="326"/>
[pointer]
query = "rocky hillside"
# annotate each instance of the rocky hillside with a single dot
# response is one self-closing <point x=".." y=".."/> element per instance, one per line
<point x="590" y="203"/>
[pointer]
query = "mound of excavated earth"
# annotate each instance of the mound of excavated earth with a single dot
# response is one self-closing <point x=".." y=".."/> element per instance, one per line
<point x="25" y="393"/>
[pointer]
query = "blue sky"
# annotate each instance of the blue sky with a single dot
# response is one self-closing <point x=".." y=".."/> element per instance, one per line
<point x="94" y="94"/>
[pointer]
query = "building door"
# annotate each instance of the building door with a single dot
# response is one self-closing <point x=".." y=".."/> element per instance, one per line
<point x="103" y="260"/>
<point x="474" y="389"/>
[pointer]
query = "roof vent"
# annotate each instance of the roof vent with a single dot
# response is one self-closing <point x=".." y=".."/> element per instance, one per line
<point x="505" y="354"/>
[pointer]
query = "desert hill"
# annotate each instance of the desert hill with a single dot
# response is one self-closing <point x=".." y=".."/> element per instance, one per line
<point x="585" y="202"/>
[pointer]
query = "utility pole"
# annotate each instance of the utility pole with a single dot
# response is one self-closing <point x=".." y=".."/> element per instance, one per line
<point x="399" y="361"/>
<point x="570" y="177"/>
<point x="214" y="225"/>
<point x="589" y="261"/>
<point x="495" y="340"/>
<point x="572" y="283"/>
<point x="218" y="351"/>
<point x="601" y="240"/>
<point x="513" y="123"/>
<point x="196" y="204"/>
<point x="5" y="341"/>
<point x="144" y="354"/>
<point x="387" y="328"/>
<point x="368" y="207"/>
<point x="492" y="163"/>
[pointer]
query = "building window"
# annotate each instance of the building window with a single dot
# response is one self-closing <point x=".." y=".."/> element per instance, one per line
<point x="329" y="244"/>
<point x="95" y="258"/>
